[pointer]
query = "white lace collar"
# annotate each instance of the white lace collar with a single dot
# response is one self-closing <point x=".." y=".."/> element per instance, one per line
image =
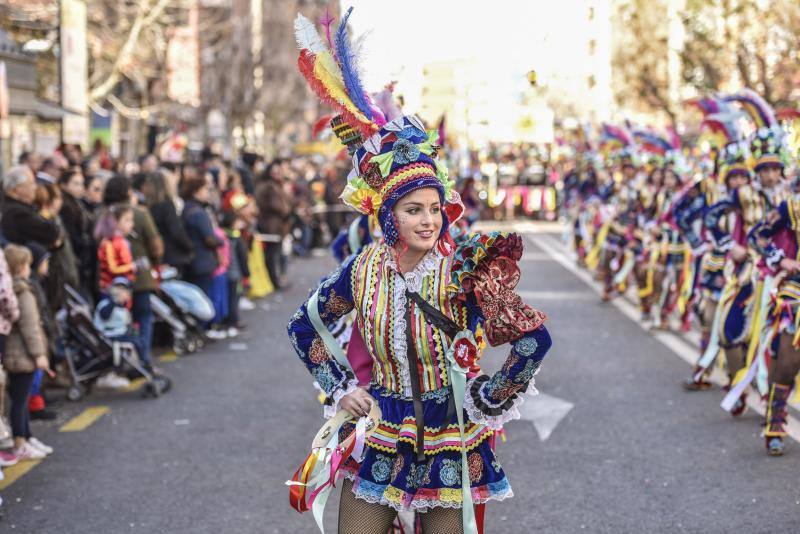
<point x="413" y="278"/>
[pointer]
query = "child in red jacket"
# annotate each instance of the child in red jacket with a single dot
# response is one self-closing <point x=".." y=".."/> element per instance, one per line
<point x="114" y="252"/>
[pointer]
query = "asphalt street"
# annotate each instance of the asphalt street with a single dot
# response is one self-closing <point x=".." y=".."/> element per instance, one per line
<point x="628" y="450"/>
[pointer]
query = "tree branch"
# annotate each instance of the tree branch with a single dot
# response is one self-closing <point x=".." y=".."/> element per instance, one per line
<point x="144" y="17"/>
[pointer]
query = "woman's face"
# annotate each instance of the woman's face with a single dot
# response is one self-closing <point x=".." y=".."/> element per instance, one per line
<point x="671" y="180"/>
<point x="75" y="186"/>
<point x="94" y="193"/>
<point x="736" y="181"/>
<point x="125" y="223"/>
<point x="201" y="195"/>
<point x="419" y="218"/>
<point x="770" y="176"/>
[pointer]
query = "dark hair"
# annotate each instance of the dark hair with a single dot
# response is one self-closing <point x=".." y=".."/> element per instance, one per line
<point x="154" y="189"/>
<point x="249" y="158"/>
<point x="191" y="185"/>
<point x="67" y="174"/>
<point x="267" y="174"/>
<point x="118" y="189"/>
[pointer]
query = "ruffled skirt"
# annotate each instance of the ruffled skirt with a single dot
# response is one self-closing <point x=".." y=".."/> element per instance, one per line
<point x="390" y="473"/>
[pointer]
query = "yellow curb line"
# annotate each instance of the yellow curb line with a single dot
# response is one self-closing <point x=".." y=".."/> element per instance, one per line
<point x="83" y="420"/>
<point x="135" y="385"/>
<point x="13" y="473"/>
<point x="168" y="357"/>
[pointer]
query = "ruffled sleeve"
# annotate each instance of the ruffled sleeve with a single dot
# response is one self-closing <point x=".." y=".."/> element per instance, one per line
<point x="484" y="275"/>
<point x="334" y="300"/>
<point x="722" y="238"/>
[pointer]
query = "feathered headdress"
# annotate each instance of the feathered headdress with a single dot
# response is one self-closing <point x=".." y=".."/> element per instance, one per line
<point x="335" y="77"/>
<point x="653" y="142"/>
<point x="724" y="127"/>
<point x="768" y="142"/>
<point x="390" y="158"/>
<point x="617" y="142"/>
<point x="705" y="104"/>
<point x="756" y="107"/>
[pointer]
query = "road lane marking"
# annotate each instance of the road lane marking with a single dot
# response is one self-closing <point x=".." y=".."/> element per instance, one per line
<point x="13" y="473"/>
<point x="556" y="295"/>
<point x="535" y="256"/>
<point x="675" y="343"/>
<point x="85" y="419"/>
<point x="135" y="385"/>
<point x="545" y="412"/>
<point x="168" y="357"/>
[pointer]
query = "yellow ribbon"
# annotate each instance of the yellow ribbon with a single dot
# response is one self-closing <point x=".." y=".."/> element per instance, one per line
<point x="594" y="255"/>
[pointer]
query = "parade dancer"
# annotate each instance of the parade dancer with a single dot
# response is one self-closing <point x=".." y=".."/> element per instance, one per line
<point x="730" y="220"/>
<point x="423" y="310"/>
<point x="669" y="255"/>
<point x="709" y="260"/>
<point x="776" y="239"/>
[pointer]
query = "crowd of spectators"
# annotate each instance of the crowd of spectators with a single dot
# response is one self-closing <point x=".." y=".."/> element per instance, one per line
<point x="111" y="230"/>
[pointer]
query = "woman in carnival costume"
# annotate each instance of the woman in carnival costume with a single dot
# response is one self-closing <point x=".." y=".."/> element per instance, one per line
<point x="729" y="222"/>
<point x="776" y="239"/>
<point x="423" y="310"/>
<point x="669" y="258"/>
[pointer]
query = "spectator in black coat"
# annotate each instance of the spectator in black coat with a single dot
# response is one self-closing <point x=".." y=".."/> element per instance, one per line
<point x="78" y="224"/>
<point x="158" y="189"/>
<point x="21" y="222"/>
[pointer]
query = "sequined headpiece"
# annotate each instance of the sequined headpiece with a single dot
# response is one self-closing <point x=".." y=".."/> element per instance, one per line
<point x="392" y="156"/>
<point x="732" y="159"/>
<point x="768" y="147"/>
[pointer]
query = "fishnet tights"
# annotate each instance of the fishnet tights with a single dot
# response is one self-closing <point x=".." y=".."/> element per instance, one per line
<point x="357" y="516"/>
<point x="442" y="521"/>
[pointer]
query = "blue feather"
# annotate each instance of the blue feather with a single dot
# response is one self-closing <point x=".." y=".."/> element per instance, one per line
<point x="347" y="63"/>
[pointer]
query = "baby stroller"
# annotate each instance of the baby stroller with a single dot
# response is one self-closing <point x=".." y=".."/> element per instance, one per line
<point x="89" y="354"/>
<point x="184" y="308"/>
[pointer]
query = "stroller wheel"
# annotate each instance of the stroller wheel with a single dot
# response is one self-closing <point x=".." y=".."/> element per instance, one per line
<point x="201" y="341"/>
<point x="180" y="348"/>
<point x="191" y="345"/>
<point x="76" y="392"/>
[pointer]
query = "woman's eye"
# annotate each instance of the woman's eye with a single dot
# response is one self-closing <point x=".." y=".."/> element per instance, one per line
<point x="412" y="211"/>
<point x="435" y="210"/>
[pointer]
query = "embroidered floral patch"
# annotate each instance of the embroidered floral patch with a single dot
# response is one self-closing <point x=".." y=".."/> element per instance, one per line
<point x="527" y="373"/>
<point x="475" y="462"/>
<point x="496" y="466"/>
<point x="418" y="476"/>
<point x="450" y="472"/>
<point x="499" y="388"/>
<point x="526" y="346"/>
<point x="381" y="468"/>
<point x="337" y="306"/>
<point x="324" y="377"/>
<point x="510" y="362"/>
<point x="318" y="352"/>
<point x="398" y="466"/>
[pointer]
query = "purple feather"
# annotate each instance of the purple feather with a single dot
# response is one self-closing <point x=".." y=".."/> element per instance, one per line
<point x="347" y="63"/>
